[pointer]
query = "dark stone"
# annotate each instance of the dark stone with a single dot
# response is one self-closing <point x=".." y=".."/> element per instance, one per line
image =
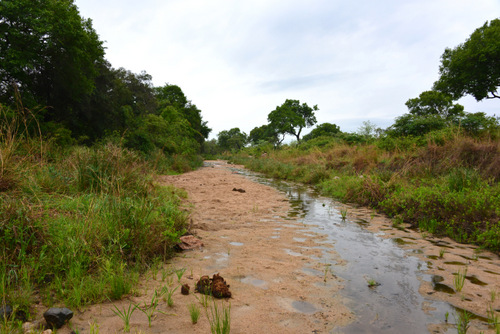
<point x="185" y="289"/>
<point x="5" y="312"/>
<point x="239" y="190"/>
<point x="57" y="317"/>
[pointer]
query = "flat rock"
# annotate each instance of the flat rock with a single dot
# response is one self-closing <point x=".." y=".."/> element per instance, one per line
<point x="190" y="242"/>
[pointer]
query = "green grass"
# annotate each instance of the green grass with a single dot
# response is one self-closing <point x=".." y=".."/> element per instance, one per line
<point x="219" y="318"/>
<point x="79" y="226"/>
<point x="194" y="313"/>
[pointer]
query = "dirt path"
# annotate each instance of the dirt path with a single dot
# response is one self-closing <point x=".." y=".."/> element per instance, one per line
<point x="270" y="262"/>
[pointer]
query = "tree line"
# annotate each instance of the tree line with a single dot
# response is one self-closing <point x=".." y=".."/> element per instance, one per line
<point x="471" y="68"/>
<point x="52" y="62"/>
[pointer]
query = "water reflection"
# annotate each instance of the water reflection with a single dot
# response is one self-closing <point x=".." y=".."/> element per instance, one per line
<point x="395" y="305"/>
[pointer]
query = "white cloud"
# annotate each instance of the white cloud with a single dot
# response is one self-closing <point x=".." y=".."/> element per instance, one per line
<point x="238" y="60"/>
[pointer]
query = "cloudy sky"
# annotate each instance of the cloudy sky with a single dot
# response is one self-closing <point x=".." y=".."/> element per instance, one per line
<point x="237" y="60"/>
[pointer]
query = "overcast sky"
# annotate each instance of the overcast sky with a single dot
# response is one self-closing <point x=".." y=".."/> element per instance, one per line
<point x="237" y="60"/>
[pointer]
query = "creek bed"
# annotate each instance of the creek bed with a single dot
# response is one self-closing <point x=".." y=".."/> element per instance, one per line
<point x="381" y="277"/>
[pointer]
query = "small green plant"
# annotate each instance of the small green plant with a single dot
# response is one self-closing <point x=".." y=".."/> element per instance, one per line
<point x="94" y="327"/>
<point x="149" y="310"/>
<point x="180" y="273"/>
<point x="492" y="316"/>
<point x="219" y="318"/>
<point x="459" y="279"/>
<point x="441" y="252"/>
<point x="446" y="315"/>
<point x="372" y="283"/>
<point x="194" y="312"/>
<point x="167" y="294"/>
<point x="463" y="321"/>
<point x="343" y="213"/>
<point x="125" y="316"/>
<point x="493" y="295"/>
<point x="204" y="300"/>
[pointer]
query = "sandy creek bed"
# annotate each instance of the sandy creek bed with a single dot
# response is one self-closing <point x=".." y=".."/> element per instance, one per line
<point x="273" y="265"/>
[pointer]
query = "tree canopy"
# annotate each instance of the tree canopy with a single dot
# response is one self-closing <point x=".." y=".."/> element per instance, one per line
<point x="52" y="60"/>
<point x="291" y="117"/>
<point x="233" y="139"/>
<point x="324" y="129"/>
<point x="473" y="68"/>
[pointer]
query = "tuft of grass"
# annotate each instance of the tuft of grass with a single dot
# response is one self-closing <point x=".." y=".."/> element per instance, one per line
<point x="343" y="213"/>
<point x="167" y="293"/>
<point x="462" y="319"/>
<point x="459" y="279"/>
<point x="179" y="273"/>
<point x="125" y="315"/>
<point x="194" y="313"/>
<point x="219" y="318"/>
<point x="441" y="253"/>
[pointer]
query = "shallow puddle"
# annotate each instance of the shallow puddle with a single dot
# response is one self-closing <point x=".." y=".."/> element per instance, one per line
<point x="304" y="307"/>
<point x="235" y="243"/>
<point x="395" y="273"/>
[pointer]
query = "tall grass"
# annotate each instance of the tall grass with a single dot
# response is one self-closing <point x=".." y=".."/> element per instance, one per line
<point x="78" y="226"/>
<point x="445" y="182"/>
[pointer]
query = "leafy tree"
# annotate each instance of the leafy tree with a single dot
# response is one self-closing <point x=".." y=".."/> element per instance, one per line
<point x="262" y="133"/>
<point x="324" y="129"/>
<point x="172" y="95"/>
<point x="430" y="111"/>
<point x="291" y="117"/>
<point x="474" y="66"/>
<point x="233" y="139"/>
<point x="478" y="123"/>
<point x="50" y="55"/>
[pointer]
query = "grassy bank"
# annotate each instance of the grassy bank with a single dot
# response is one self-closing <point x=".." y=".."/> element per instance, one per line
<point x="446" y="184"/>
<point x="79" y="225"/>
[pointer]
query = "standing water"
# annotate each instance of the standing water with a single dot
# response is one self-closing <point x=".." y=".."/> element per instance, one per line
<point x="381" y="280"/>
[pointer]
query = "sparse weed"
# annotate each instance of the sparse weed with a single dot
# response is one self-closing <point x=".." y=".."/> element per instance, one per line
<point x="462" y="319"/>
<point x="492" y="316"/>
<point x="372" y="283"/>
<point x="441" y="252"/>
<point x="219" y="318"/>
<point x="194" y="312"/>
<point x="179" y="273"/>
<point x="343" y="213"/>
<point x="94" y="327"/>
<point x="167" y="294"/>
<point x="459" y="279"/>
<point x="149" y="310"/>
<point x="125" y="315"/>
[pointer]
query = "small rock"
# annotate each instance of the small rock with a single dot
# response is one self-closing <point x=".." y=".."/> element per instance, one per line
<point x="239" y="190"/>
<point x="47" y="331"/>
<point x="57" y="317"/>
<point x="185" y="289"/>
<point x="29" y="328"/>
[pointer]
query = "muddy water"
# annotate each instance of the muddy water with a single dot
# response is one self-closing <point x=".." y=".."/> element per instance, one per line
<point x="393" y="304"/>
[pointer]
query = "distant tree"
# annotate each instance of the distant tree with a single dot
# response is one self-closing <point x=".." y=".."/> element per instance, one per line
<point x="474" y="66"/>
<point x="261" y="134"/>
<point x="172" y="95"/>
<point x="232" y="139"/>
<point x="291" y="117"/>
<point x="478" y="123"/>
<point x="430" y="111"/>
<point x="324" y="129"/>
